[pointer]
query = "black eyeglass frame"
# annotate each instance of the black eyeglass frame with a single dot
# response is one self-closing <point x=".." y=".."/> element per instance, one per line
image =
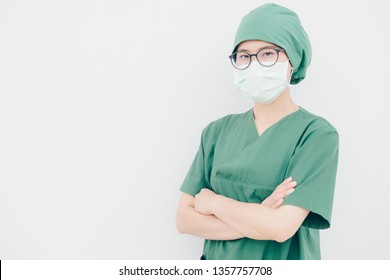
<point x="278" y="50"/>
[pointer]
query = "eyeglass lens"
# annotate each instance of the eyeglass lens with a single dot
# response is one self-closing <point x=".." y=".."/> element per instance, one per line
<point x="266" y="57"/>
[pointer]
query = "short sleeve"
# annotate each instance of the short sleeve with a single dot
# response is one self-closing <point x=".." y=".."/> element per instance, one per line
<point x="314" y="167"/>
<point x="198" y="175"/>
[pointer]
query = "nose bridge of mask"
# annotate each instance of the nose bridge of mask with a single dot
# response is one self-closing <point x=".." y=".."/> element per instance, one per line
<point x="278" y="69"/>
<point x="256" y="70"/>
<point x="267" y="64"/>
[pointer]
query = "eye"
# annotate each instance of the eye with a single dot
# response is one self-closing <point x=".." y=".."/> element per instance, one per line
<point x="243" y="56"/>
<point x="268" y="54"/>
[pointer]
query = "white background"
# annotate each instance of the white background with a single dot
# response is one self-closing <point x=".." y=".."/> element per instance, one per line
<point x="102" y="104"/>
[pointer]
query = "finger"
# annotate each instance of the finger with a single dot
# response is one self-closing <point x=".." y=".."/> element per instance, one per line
<point x="285" y="186"/>
<point x="283" y="194"/>
<point x="277" y="204"/>
<point x="292" y="184"/>
<point x="281" y="191"/>
<point x="267" y="202"/>
<point x="286" y="181"/>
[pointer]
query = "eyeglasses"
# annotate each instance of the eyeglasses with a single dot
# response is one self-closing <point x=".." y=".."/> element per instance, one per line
<point x="265" y="56"/>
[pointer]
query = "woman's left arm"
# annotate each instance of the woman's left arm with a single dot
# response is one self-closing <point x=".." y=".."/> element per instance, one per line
<point x="252" y="220"/>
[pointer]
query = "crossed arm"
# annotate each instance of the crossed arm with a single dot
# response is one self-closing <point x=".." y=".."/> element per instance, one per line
<point x="216" y="217"/>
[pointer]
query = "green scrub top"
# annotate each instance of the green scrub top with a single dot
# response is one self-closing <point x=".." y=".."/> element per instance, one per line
<point x="234" y="161"/>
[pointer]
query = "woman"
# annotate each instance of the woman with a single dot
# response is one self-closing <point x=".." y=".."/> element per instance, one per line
<point x="262" y="183"/>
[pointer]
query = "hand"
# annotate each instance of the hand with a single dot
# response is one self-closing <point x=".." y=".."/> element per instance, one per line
<point x="280" y="192"/>
<point x="203" y="200"/>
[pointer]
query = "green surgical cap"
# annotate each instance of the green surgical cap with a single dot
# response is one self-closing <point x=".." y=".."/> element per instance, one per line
<point x="280" y="26"/>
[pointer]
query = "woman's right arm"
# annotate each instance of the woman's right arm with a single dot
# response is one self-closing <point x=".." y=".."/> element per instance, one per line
<point x="189" y="221"/>
<point x="210" y="227"/>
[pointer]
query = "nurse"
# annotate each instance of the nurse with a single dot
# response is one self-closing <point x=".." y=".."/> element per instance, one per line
<point x="262" y="182"/>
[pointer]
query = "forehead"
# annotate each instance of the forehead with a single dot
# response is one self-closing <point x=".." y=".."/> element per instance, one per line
<point x="254" y="45"/>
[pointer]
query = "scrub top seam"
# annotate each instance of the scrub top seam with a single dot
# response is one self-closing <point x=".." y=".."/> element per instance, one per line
<point x="248" y="184"/>
<point x="307" y="113"/>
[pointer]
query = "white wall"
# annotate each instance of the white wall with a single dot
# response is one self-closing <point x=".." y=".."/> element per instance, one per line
<point x="102" y="104"/>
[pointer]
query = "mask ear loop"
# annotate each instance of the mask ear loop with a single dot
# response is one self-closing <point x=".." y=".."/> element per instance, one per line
<point x="292" y="70"/>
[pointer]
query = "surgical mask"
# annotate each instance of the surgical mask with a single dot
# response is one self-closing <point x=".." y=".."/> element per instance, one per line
<point x="260" y="83"/>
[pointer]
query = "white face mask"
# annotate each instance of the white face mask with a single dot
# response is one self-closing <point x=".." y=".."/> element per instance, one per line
<point x="262" y="84"/>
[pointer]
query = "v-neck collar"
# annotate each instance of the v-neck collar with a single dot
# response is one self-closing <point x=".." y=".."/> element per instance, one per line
<point x="253" y="124"/>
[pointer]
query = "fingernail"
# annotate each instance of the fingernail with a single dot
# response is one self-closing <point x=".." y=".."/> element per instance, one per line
<point x="293" y="183"/>
<point x="291" y="190"/>
<point x="289" y="178"/>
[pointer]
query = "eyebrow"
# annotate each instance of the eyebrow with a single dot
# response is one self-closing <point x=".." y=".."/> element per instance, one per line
<point x="265" y="47"/>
